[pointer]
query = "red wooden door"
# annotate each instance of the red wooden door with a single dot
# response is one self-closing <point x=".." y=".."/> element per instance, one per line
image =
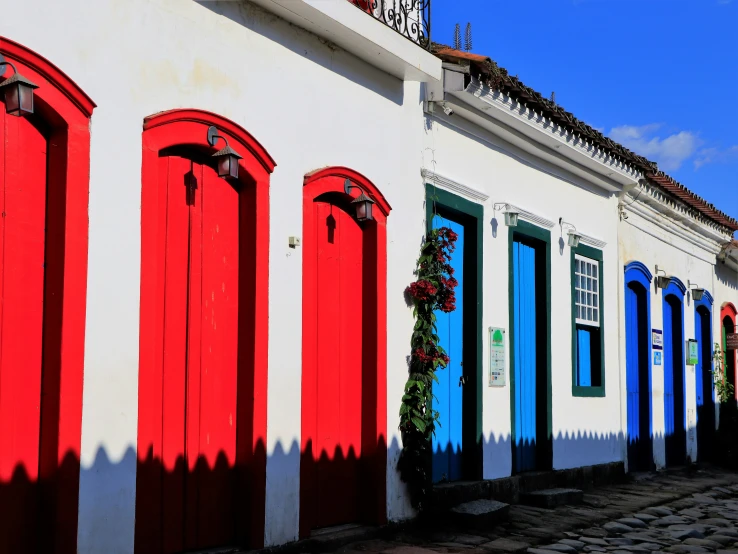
<point x="22" y="238"/>
<point x="200" y="356"/>
<point x="338" y="365"/>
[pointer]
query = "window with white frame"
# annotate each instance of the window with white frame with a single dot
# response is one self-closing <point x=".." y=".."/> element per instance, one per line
<point x="587" y="291"/>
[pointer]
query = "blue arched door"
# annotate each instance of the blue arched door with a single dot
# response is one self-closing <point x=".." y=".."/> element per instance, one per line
<point x="675" y="430"/>
<point x="638" y="367"/>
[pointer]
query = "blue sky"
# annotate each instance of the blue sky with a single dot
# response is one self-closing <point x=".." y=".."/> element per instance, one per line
<point x="659" y="76"/>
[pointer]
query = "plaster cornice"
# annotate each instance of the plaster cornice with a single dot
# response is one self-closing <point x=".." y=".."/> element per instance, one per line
<point x="674" y="217"/>
<point x="562" y="137"/>
<point x="454" y="186"/>
<point x="591" y="241"/>
<point x="530" y="217"/>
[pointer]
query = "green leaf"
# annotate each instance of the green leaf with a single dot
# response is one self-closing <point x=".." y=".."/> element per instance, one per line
<point x="419" y="424"/>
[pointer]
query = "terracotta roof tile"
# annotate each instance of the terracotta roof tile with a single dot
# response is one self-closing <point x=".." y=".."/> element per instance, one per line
<point x="498" y="78"/>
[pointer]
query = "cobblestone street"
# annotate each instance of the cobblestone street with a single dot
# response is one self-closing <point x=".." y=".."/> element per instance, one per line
<point x="671" y="511"/>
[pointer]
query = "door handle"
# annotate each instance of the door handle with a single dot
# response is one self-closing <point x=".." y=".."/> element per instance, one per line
<point x="462" y="381"/>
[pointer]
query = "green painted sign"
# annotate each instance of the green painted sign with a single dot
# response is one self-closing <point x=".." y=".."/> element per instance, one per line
<point x="497" y="357"/>
<point x="693" y="356"/>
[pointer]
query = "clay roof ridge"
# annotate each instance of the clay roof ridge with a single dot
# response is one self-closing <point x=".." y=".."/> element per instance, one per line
<point x="498" y="78"/>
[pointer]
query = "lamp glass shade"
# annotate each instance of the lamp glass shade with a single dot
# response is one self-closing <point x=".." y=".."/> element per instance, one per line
<point x="574" y="240"/>
<point x="19" y="99"/>
<point x="662" y="282"/>
<point x="511" y="219"/>
<point x="228" y="166"/>
<point x="697" y="294"/>
<point x="364" y="211"/>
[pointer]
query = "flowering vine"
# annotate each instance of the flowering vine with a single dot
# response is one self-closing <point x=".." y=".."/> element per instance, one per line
<point x="433" y="290"/>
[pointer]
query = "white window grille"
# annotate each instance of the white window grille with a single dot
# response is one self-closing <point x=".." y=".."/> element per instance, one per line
<point x="587" y="291"/>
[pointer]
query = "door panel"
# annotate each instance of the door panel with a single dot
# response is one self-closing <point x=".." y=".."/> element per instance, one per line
<point x="674" y="410"/>
<point x="22" y="251"/>
<point x="526" y="355"/>
<point x="448" y="392"/>
<point x="339" y="362"/>
<point x="199" y="356"/>
<point x="704" y="386"/>
<point x="640" y="450"/>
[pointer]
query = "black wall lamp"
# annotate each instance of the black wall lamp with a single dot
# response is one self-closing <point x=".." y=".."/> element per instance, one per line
<point x="511" y="216"/>
<point x="17" y="89"/>
<point x="573" y="236"/>
<point x="362" y="203"/>
<point x="662" y="281"/>
<point x="227" y="158"/>
<point x="697" y="292"/>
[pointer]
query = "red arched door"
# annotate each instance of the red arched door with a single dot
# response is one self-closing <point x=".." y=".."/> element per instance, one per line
<point x="201" y="473"/>
<point x="44" y="186"/>
<point x="22" y="257"/>
<point x="343" y="464"/>
<point x="199" y="279"/>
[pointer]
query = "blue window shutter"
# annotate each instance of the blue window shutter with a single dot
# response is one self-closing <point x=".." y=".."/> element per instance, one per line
<point x="584" y="358"/>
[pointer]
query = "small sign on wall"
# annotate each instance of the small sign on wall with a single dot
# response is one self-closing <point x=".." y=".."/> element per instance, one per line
<point x="496" y="357"/>
<point x="657" y="356"/>
<point x="693" y="357"/>
<point x="731" y="341"/>
<point x="657" y="338"/>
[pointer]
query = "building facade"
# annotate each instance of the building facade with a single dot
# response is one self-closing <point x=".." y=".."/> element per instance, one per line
<point x="209" y="221"/>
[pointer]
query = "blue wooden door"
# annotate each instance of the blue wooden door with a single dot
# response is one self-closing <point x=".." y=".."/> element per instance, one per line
<point x="448" y="392"/>
<point x="526" y="342"/>
<point x="704" y="385"/>
<point x="674" y="413"/>
<point x="637" y="378"/>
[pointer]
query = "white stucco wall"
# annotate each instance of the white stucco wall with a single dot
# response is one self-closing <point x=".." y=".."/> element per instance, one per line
<point x="310" y="105"/>
<point x="586" y="431"/>
<point x="654" y="238"/>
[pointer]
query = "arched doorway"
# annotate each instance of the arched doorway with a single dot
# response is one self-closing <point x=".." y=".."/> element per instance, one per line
<point x="202" y="379"/>
<point x="638" y="366"/>
<point x="704" y="388"/>
<point x="728" y="318"/>
<point x="674" y="374"/>
<point x="44" y="176"/>
<point x="343" y="463"/>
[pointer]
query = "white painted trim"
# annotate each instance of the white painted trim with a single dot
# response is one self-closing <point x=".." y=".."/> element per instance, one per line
<point x="528" y="216"/>
<point x="454" y="186"/>
<point x="591" y="241"/>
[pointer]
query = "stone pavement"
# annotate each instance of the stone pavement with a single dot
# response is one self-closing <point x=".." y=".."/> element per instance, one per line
<point x="676" y="511"/>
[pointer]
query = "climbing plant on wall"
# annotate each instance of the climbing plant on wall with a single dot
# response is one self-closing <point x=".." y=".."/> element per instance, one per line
<point x="723" y="387"/>
<point x="433" y="290"/>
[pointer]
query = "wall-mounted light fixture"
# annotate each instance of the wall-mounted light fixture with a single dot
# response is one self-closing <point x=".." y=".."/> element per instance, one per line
<point x="362" y="203"/>
<point x="697" y="292"/>
<point x="17" y="89"/>
<point x="511" y="216"/>
<point x="662" y="281"/>
<point x="226" y="158"/>
<point x="573" y="236"/>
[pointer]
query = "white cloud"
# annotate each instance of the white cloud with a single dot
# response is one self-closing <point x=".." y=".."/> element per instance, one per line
<point x="715" y="155"/>
<point x="669" y="152"/>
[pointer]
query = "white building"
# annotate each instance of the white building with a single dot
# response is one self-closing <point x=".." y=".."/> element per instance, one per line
<point x="204" y="339"/>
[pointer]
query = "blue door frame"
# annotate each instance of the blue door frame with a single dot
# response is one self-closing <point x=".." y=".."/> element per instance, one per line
<point x="675" y="409"/>
<point x="704" y="387"/>
<point x="529" y="275"/>
<point x="638" y="356"/>
<point x="461" y="455"/>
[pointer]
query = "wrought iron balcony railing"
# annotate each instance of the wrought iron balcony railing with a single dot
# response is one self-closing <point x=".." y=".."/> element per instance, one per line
<point x="410" y="18"/>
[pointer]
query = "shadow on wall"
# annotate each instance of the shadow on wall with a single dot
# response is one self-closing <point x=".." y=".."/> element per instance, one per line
<point x="308" y="46"/>
<point x="183" y="506"/>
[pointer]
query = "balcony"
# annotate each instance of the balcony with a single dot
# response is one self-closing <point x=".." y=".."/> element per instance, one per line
<point x="410" y="18"/>
<point x="392" y="35"/>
